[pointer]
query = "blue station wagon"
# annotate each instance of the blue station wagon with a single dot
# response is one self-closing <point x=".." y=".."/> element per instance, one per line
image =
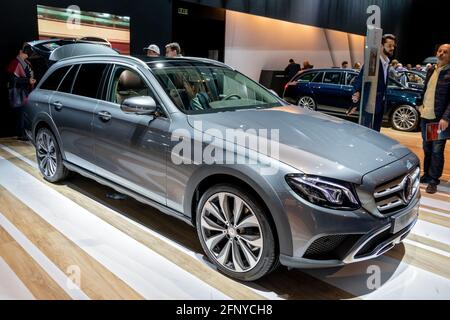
<point x="330" y="91"/>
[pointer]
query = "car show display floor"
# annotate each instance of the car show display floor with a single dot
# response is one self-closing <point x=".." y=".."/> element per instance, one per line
<point x="73" y="241"/>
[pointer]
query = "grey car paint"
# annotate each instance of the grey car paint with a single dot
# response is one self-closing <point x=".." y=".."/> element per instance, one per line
<point x="135" y="158"/>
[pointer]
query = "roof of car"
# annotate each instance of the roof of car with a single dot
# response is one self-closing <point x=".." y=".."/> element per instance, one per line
<point x="150" y="61"/>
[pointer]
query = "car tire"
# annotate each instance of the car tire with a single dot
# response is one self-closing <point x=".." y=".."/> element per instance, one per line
<point x="49" y="158"/>
<point x="405" y="118"/>
<point x="307" y="102"/>
<point x="247" y="253"/>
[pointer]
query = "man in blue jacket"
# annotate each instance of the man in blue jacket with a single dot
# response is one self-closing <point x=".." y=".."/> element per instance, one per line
<point x="436" y="109"/>
<point x="373" y="121"/>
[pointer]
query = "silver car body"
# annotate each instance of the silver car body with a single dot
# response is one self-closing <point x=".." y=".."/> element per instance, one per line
<point x="131" y="153"/>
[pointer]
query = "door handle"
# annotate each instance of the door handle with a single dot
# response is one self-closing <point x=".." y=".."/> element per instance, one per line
<point x="58" y="105"/>
<point x="104" y="116"/>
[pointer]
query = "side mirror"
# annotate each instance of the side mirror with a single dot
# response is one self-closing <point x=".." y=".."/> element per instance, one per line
<point x="143" y="105"/>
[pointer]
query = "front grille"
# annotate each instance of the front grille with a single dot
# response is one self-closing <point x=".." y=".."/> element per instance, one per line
<point x="331" y="247"/>
<point x="396" y="194"/>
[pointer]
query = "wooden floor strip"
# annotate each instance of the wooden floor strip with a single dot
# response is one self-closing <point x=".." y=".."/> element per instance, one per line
<point x="40" y="284"/>
<point x="429" y="242"/>
<point x="432" y="218"/>
<point x="90" y="195"/>
<point x="421" y="258"/>
<point x="96" y="281"/>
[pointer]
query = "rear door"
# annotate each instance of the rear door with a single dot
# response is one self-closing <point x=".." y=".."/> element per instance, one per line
<point x="331" y="95"/>
<point x="72" y="107"/>
<point x="131" y="150"/>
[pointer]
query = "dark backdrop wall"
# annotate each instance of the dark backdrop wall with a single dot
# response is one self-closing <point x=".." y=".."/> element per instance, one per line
<point x="151" y="22"/>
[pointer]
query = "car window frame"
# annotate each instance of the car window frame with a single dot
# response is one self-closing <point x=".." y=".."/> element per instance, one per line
<point x="109" y="82"/>
<point x="335" y="84"/>
<point x="52" y="73"/>
<point x="346" y="77"/>
<point x="80" y="65"/>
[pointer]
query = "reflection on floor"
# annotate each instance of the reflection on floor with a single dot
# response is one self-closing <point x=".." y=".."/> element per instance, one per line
<point x="69" y="241"/>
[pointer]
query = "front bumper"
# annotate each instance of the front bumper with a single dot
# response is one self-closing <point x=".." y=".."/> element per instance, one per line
<point x="328" y="238"/>
<point x="367" y="246"/>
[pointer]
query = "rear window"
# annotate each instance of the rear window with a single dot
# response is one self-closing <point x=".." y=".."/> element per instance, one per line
<point x="88" y="81"/>
<point x="52" y="82"/>
<point x="332" y="78"/>
<point x="66" y="84"/>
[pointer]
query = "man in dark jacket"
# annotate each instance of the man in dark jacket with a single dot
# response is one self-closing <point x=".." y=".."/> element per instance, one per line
<point x="370" y="120"/>
<point x="20" y="83"/>
<point x="436" y="109"/>
<point x="291" y="70"/>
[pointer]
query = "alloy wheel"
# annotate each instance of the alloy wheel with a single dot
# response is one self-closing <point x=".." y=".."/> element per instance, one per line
<point x="46" y="153"/>
<point x="405" y="118"/>
<point x="307" y="103"/>
<point x="231" y="232"/>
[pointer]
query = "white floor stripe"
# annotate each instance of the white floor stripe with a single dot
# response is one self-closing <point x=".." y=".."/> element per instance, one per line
<point x="11" y="287"/>
<point x="21" y="157"/>
<point x="150" y="274"/>
<point x="427" y="247"/>
<point x="439" y="204"/>
<point x="52" y="270"/>
<point x="432" y="231"/>
<point x="388" y="279"/>
<point x="441" y="214"/>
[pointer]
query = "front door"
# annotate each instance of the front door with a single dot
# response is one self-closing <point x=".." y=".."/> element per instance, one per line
<point x="131" y="150"/>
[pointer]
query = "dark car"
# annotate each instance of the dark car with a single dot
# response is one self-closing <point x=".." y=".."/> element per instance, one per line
<point x="47" y="52"/>
<point x="330" y="91"/>
<point x="413" y="79"/>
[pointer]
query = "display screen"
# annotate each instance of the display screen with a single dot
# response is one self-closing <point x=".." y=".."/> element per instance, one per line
<point x="93" y="27"/>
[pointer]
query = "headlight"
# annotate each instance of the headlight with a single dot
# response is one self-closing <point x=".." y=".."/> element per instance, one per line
<point x="324" y="192"/>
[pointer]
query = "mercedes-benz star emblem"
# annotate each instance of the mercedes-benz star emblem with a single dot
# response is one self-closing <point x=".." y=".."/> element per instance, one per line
<point x="408" y="188"/>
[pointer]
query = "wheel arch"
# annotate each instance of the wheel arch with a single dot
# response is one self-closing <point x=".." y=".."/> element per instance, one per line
<point x="256" y="186"/>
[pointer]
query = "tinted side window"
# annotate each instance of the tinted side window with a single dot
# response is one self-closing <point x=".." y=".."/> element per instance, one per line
<point x="307" y="77"/>
<point x="52" y="82"/>
<point x="350" y="78"/>
<point x="88" y="81"/>
<point x="66" y="84"/>
<point x="332" y="78"/>
<point x="125" y="84"/>
<point x="318" y="77"/>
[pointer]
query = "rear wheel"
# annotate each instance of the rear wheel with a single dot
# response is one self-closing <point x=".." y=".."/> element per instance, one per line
<point x="235" y="233"/>
<point x="49" y="156"/>
<point x="307" y="102"/>
<point x="405" y="118"/>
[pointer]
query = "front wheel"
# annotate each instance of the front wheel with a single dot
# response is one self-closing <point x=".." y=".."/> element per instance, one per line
<point x="405" y="118"/>
<point x="235" y="233"/>
<point x="49" y="156"/>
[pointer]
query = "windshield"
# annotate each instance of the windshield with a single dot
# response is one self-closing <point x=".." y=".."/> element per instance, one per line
<point x="204" y="88"/>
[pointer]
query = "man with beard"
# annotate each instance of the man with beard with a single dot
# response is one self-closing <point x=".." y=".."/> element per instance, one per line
<point x="388" y="44"/>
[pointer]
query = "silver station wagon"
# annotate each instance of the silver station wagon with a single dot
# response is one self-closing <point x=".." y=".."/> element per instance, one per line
<point x="190" y="137"/>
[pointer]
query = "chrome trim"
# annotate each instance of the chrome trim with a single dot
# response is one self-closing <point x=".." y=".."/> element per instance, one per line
<point x="395" y="188"/>
<point x="381" y="248"/>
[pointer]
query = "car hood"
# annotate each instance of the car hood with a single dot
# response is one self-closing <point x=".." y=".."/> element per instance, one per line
<point x="311" y="142"/>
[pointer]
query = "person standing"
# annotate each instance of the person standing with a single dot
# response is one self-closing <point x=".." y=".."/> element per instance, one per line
<point x="344" y="64"/>
<point x="292" y="69"/>
<point x="20" y="84"/>
<point x="173" y="50"/>
<point x="374" y="121"/>
<point x="436" y="108"/>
